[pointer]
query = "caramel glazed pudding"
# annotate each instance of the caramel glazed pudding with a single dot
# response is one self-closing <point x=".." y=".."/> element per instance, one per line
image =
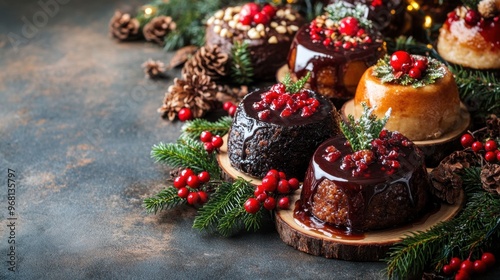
<point x="389" y="192"/>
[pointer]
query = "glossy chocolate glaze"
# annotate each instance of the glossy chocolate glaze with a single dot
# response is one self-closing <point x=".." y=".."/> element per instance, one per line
<point x="375" y="202"/>
<point x="285" y="144"/>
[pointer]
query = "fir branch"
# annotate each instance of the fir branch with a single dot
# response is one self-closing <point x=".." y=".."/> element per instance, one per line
<point x="241" y="63"/>
<point x="471" y="3"/>
<point x="224" y="212"/>
<point x="166" y="199"/>
<point x="294" y="87"/>
<point x="189" y="153"/>
<point x="361" y="133"/>
<point x="194" y="128"/>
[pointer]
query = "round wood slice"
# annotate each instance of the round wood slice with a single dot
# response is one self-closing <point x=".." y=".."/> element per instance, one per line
<point x="370" y="246"/>
<point x="437" y="149"/>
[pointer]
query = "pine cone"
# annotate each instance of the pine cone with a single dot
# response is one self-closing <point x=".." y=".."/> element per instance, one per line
<point x="234" y="94"/>
<point x="182" y="55"/>
<point x="490" y="178"/>
<point x="194" y="92"/>
<point x="154" y="69"/>
<point x="124" y="27"/>
<point x="493" y="126"/>
<point x="208" y="60"/>
<point x="158" y="28"/>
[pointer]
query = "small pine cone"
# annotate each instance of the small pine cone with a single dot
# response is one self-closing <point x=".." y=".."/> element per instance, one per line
<point x="124" y="27"/>
<point x="490" y="178"/>
<point x="493" y="126"/>
<point x="195" y="92"/>
<point x="158" y="28"/>
<point x="154" y="69"/>
<point x="182" y="55"/>
<point x="208" y="60"/>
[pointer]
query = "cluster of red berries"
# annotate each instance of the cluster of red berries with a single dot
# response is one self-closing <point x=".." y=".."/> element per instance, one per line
<point x="189" y="186"/>
<point x="404" y="63"/>
<point x="252" y="13"/>
<point x="272" y="184"/>
<point x="278" y="99"/>
<point x="346" y="34"/>
<point x="185" y="114"/>
<point x="489" y="147"/>
<point x="464" y="269"/>
<point x="210" y="141"/>
<point x="229" y="107"/>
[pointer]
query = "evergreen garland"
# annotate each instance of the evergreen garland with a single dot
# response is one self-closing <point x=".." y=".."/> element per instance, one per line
<point x="241" y="63"/>
<point x="194" y="128"/>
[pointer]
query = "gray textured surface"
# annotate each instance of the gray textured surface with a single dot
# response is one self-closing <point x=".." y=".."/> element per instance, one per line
<point x="77" y="122"/>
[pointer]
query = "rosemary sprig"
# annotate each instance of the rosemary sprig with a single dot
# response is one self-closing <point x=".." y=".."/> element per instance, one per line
<point x="294" y="87"/>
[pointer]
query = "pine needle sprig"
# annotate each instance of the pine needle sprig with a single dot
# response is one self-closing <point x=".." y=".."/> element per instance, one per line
<point x="194" y="128"/>
<point x="187" y="153"/>
<point x="241" y="63"/>
<point x="294" y="87"/>
<point x="361" y="133"/>
<point x="165" y="199"/>
<point x="224" y="212"/>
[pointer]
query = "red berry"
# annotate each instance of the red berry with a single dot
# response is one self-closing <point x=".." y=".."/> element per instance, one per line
<point x="467" y="266"/>
<point x="179" y="182"/>
<point x="282" y="175"/>
<point x="252" y="205"/>
<point x="498" y="155"/>
<point x="261" y="18"/>
<point x="488" y="259"/>
<point x="249" y="9"/>
<point x="269" y="183"/>
<point x="294" y="183"/>
<point x="217" y="141"/>
<point x="183" y="192"/>
<point x="187" y="172"/>
<point x="264" y="115"/>
<point x="262" y="197"/>
<point x="193" y="181"/>
<point x="479" y="266"/>
<point x="448" y="270"/>
<point x="206" y="136"/>
<point x="421" y="64"/>
<point x="185" y="114"/>
<point x="399" y="59"/>
<point x="258" y="190"/>
<point x="477" y="146"/>
<point x="284" y="203"/>
<point x="204" y="176"/>
<point x="270" y="203"/>
<point x="462" y="275"/>
<point x="472" y="17"/>
<point x="269" y="10"/>
<point x="208" y="147"/>
<point x="273" y="172"/>
<point x="415" y="73"/>
<point x="232" y="110"/>
<point x="490" y="156"/>
<point x="466" y="140"/>
<point x="283" y="186"/>
<point x="349" y="26"/>
<point x="455" y="263"/>
<point x="490" y="145"/>
<point x="246" y="20"/>
<point x="227" y="105"/>
<point x="203" y="197"/>
<point x="193" y="198"/>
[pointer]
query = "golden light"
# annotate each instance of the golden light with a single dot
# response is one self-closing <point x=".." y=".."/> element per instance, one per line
<point x="148" y="11"/>
<point x="427" y="22"/>
<point x="413" y="6"/>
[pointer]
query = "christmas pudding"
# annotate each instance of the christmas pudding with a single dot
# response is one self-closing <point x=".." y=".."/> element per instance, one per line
<point x="279" y="127"/>
<point x="336" y="48"/>
<point x="267" y="30"/>
<point x="365" y="180"/>
<point x="421" y="91"/>
<point x="471" y="37"/>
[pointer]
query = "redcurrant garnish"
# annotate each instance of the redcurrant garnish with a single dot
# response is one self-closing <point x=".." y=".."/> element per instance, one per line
<point x="488" y="259"/>
<point x="490" y="156"/>
<point x="283" y="186"/>
<point x="252" y="205"/>
<point x="479" y="266"/>
<point x="206" y="136"/>
<point x="179" y="182"/>
<point x="204" y="176"/>
<point x="269" y="183"/>
<point x="466" y="140"/>
<point x="217" y="141"/>
<point x="208" y="147"/>
<point x="183" y="192"/>
<point x="467" y="266"/>
<point x="193" y="181"/>
<point x="448" y="269"/>
<point x="415" y="73"/>
<point x="455" y="263"/>
<point x="284" y="203"/>
<point x="477" y="146"/>
<point x="490" y="145"/>
<point x="193" y="198"/>
<point x="270" y="203"/>
<point x="203" y="197"/>
<point x="294" y="183"/>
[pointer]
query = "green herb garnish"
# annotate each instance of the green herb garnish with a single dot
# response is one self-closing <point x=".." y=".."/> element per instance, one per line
<point x="294" y="87"/>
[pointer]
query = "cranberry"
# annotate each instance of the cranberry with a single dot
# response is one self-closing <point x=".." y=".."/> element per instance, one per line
<point x="217" y="141"/>
<point x="193" y="181"/>
<point x="477" y="146"/>
<point x="249" y="9"/>
<point x="462" y="275"/>
<point x="467" y="266"/>
<point x="327" y="42"/>
<point x="448" y="270"/>
<point x="269" y="183"/>
<point x="273" y="172"/>
<point x="294" y="183"/>
<point x="258" y="190"/>
<point x="187" y="172"/>
<point x="261" y="18"/>
<point x="286" y="113"/>
<point x="415" y="73"/>
<point x="488" y="259"/>
<point x="252" y="205"/>
<point x="282" y="175"/>
<point x="270" y="203"/>
<point x="204" y="176"/>
<point x="209" y="147"/>
<point x="472" y="17"/>
<point x="399" y="59"/>
<point x="193" y="198"/>
<point x="283" y="186"/>
<point x="264" y="115"/>
<point x="284" y="203"/>
<point x="203" y="196"/>
<point x="421" y="64"/>
<point x="306" y="112"/>
<point x="183" y="192"/>
<point x="232" y="110"/>
<point x="498" y="155"/>
<point x="278" y="88"/>
<point x="185" y="114"/>
<point x="332" y="156"/>
<point x="269" y="10"/>
<point x="179" y="182"/>
<point x="227" y="105"/>
<point x="479" y="266"/>
<point x="206" y="136"/>
<point x="490" y="156"/>
<point x="262" y="197"/>
<point x="455" y="263"/>
<point x="349" y="26"/>
<point x="466" y="140"/>
<point x="490" y="145"/>
<point x="347" y="45"/>
<point x="246" y="19"/>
